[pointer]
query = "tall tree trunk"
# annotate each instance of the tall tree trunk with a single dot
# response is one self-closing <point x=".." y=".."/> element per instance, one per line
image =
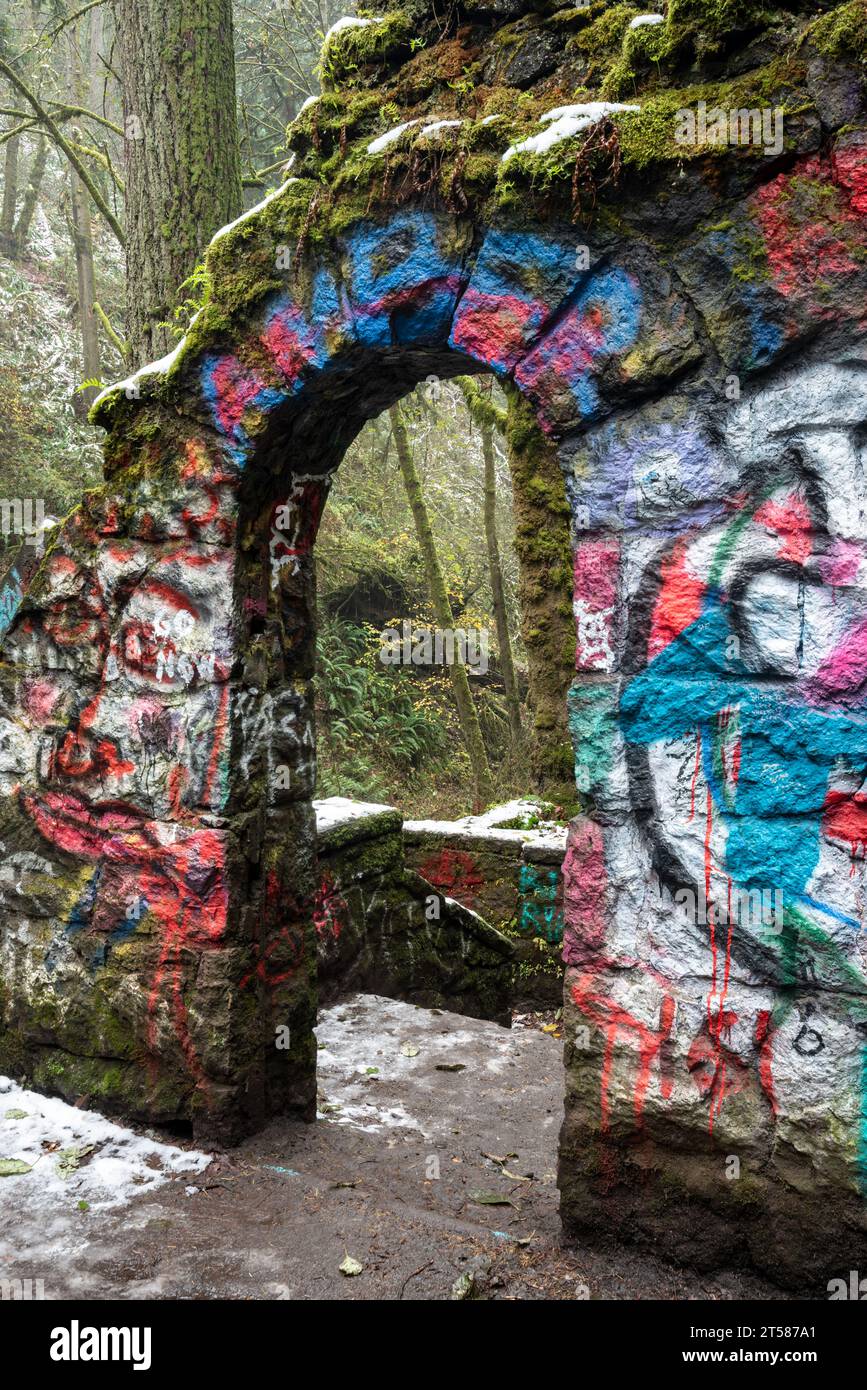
<point x="183" y="175"/>
<point x="10" y="194"/>
<point x="469" y="720"/>
<point x="544" y="553"/>
<point x="82" y="241"/>
<point x="82" y="238"/>
<point x="31" y="197"/>
<point x="498" y="594"/>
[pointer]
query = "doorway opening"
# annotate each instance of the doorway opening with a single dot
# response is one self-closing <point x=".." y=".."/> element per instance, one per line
<point x="424" y="700"/>
<point x="439" y="899"/>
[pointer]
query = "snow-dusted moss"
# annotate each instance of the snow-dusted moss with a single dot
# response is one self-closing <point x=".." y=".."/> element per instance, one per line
<point x="359" y="42"/>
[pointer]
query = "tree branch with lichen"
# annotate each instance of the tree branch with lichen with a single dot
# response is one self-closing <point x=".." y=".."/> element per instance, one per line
<point x="111" y="332"/>
<point x="481" y="405"/>
<point x="63" y="144"/>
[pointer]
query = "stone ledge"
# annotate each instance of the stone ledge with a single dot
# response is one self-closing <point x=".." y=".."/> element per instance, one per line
<point x="341" y="821"/>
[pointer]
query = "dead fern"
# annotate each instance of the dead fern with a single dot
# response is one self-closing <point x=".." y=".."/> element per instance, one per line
<point x="598" y="165"/>
<point x="321" y="199"/>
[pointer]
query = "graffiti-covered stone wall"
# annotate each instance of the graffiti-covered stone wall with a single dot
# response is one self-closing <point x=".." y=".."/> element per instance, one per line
<point x="506" y="865"/>
<point x="383" y="928"/>
<point x="727" y="846"/>
<point x="654" y="227"/>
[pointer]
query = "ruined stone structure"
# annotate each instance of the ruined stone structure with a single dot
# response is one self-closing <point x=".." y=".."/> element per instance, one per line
<point x="678" y="290"/>
<point x="511" y="874"/>
<point x="382" y="928"/>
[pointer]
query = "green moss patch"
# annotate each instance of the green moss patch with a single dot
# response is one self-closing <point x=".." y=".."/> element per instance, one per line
<point x="350" y="54"/>
<point x="841" y="33"/>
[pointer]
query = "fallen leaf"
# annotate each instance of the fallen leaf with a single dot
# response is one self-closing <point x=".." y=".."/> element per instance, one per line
<point x="351" y="1266"/>
<point x="16" y="1115"/>
<point x="516" y="1177"/>
<point x="464" y="1286"/>
<point x="495" y="1159"/>
<point x="70" y="1159"/>
<point x="492" y="1199"/>
<point x="10" y="1167"/>
<point x="371" y="1071"/>
<point x="409" y="1050"/>
<point x="451" y="1066"/>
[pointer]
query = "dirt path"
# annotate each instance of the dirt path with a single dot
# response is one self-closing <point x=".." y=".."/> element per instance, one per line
<point x="393" y="1174"/>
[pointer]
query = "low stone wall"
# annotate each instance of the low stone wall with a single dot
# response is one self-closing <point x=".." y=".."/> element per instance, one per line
<point x="511" y="876"/>
<point x="381" y="927"/>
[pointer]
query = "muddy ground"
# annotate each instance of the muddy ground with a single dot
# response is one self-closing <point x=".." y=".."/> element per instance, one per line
<point x="426" y="1119"/>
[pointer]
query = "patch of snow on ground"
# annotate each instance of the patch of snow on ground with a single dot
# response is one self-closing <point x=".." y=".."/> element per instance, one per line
<point x="360" y="1041"/>
<point x="641" y="20"/>
<point x="565" y="121"/>
<point x="121" y="1166"/>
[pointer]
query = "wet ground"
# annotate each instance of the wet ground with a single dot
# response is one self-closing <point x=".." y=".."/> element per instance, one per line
<point x="429" y="1174"/>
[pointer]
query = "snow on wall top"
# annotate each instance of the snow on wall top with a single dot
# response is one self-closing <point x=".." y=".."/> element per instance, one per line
<point x="492" y="826"/>
<point x="332" y="811"/>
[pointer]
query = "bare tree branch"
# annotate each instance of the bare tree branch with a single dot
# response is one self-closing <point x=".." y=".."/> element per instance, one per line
<point x="60" y="140"/>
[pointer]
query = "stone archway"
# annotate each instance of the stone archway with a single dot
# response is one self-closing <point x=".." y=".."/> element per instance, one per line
<point x="173" y="633"/>
<point x="704" y="378"/>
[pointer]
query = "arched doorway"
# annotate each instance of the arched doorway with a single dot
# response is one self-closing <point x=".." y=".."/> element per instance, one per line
<point x="176" y="753"/>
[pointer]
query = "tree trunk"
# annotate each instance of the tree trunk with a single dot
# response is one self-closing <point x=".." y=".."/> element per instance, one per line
<point x="183" y="176"/>
<point x="469" y="720"/>
<point x="498" y="595"/>
<point x="10" y="194"/>
<point x="82" y="242"/>
<point x="544" y="553"/>
<point x="82" y="239"/>
<point x="31" y="197"/>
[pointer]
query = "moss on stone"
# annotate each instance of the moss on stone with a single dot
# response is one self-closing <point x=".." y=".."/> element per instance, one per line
<point x="338" y="183"/>
<point x="841" y="33"/>
<point x="543" y="546"/>
<point x="648" y="137"/>
<point x="605" y="33"/>
<point x="350" y="50"/>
